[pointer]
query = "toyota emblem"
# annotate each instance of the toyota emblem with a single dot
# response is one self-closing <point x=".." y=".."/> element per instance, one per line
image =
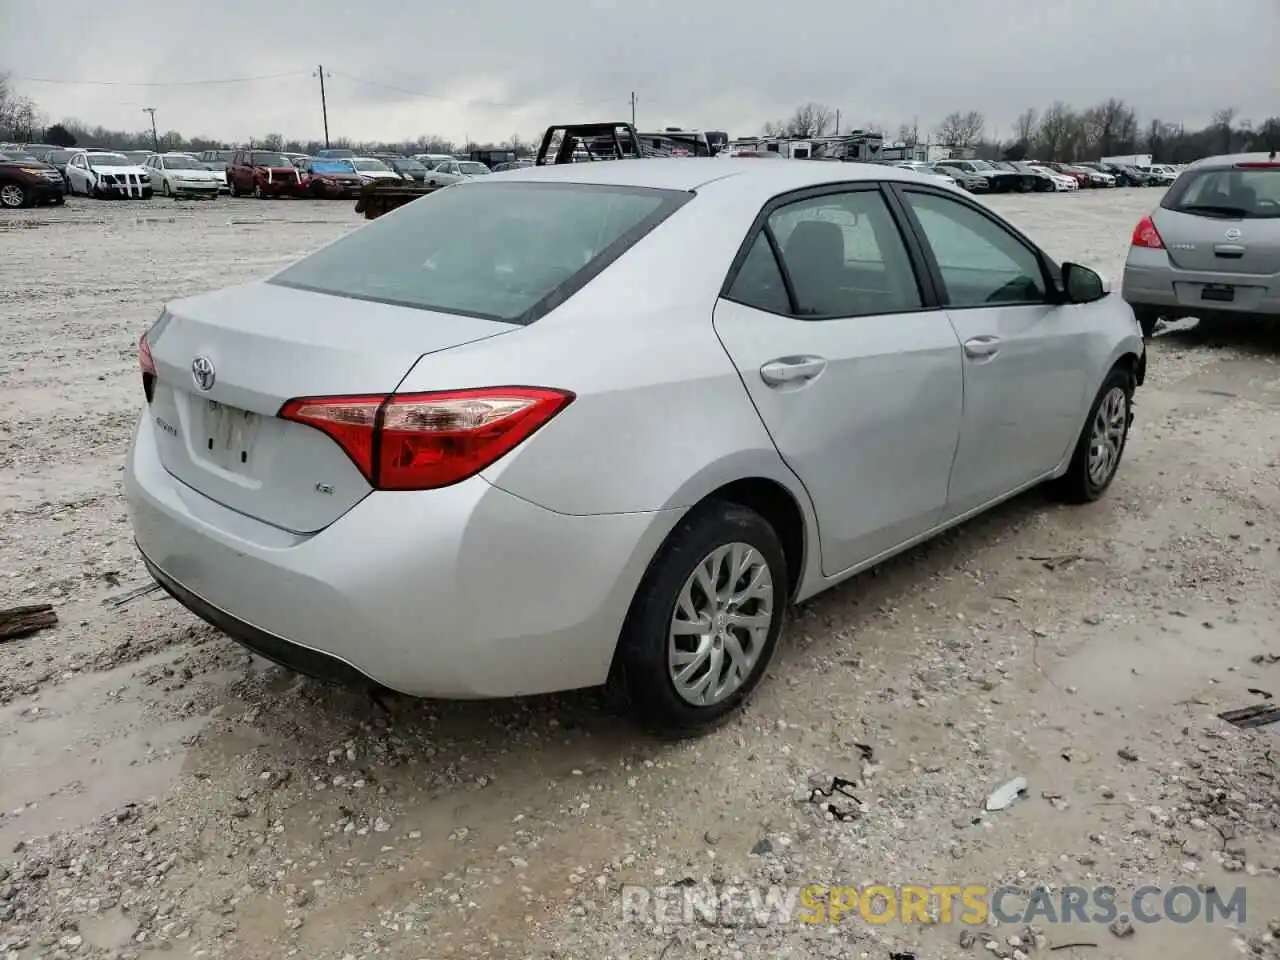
<point x="203" y="373"/>
<point x="1232" y="234"/>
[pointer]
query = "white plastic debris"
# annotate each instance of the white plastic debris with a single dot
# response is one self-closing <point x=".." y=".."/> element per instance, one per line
<point x="1007" y="794"/>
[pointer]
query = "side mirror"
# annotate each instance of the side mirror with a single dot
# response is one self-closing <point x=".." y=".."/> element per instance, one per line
<point x="1082" y="285"/>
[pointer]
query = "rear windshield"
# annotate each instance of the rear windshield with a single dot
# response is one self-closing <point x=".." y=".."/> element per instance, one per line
<point x="501" y="251"/>
<point x="1232" y="194"/>
<point x="270" y="160"/>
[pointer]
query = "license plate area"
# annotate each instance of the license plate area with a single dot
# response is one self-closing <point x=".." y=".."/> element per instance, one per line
<point x="1218" y="292"/>
<point x="228" y="436"/>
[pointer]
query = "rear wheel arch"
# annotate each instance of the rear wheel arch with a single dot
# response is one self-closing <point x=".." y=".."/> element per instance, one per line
<point x="780" y="509"/>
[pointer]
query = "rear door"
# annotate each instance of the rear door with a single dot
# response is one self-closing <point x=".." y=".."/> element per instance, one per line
<point x="854" y="371"/>
<point x="1025" y="357"/>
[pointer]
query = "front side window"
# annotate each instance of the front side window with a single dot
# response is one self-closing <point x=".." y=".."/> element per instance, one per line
<point x="844" y="256"/>
<point x="501" y="251"/>
<point x="982" y="264"/>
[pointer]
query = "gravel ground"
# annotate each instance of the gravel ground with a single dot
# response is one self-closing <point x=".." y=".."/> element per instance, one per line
<point x="162" y="790"/>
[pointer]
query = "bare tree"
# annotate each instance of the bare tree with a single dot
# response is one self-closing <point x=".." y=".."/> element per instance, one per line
<point x="810" y="120"/>
<point x="1056" y="131"/>
<point x="1223" y="120"/>
<point x="1024" y="128"/>
<point x="909" y="133"/>
<point x="961" y="129"/>
<point x="272" y="141"/>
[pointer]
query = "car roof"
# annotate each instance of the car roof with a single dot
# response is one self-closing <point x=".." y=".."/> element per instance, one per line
<point x="690" y="173"/>
<point x="1228" y="160"/>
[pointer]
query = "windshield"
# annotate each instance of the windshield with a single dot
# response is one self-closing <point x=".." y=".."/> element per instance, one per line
<point x="182" y="163"/>
<point x="373" y="165"/>
<point x="981" y="165"/>
<point x="500" y="250"/>
<point x="1248" y="194"/>
<point x="336" y="154"/>
<point x="109" y="160"/>
<point x="58" y="156"/>
<point x="472" y="169"/>
<point x="330" y="166"/>
<point x="270" y="160"/>
<point x="412" y="165"/>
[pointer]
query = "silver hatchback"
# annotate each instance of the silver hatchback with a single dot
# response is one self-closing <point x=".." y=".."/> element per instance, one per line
<point x="1212" y="247"/>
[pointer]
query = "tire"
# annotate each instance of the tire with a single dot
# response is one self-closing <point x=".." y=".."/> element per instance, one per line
<point x="13" y="196"/>
<point x="57" y="201"/>
<point x="148" y="194"/>
<point x="96" y="192"/>
<point x="1110" y="416"/>
<point x="232" y="189"/>
<point x="258" y="192"/>
<point x="166" y="189"/>
<point x="640" y="681"/>
<point x="1147" y="319"/>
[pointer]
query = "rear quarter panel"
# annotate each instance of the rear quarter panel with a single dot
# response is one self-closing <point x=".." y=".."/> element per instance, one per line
<point x="661" y="417"/>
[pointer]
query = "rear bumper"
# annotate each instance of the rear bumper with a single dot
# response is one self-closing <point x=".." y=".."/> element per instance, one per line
<point x="464" y="592"/>
<point x="212" y="188"/>
<point x="1151" y="280"/>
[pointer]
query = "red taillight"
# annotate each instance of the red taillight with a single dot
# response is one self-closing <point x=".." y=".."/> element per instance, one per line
<point x="421" y="441"/>
<point x="1258" y="165"/>
<point x="148" y="366"/>
<point x="1146" y="235"/>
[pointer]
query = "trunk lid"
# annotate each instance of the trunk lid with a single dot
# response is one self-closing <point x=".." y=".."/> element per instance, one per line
<point x="266" y="344"/>
<point x="1220" y="244"/>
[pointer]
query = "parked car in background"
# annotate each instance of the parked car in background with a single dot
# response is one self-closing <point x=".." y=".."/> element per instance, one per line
<point x="1047" y="179"/>
<point x="58" y="159"/>
<point x="432" y="160"/>
<point x="334" y="154"/>
<point x="264" y="174"/>
<point x="331" y="179"/>
<point x="107" y="176"/>
<point x="406" y="167"/>
<point x="346" y="489"/>
<point x="138" y="156"/>
<point x="998" y="181"/>
<point x="1097" y="174"/>
<point x="964" y="176"/>
<point x="1161" y="175"/>
<point x="1127" y="176"/>
<point x="919" y="166"/>
<point x="1028" y="182"/>
<point x="513" y="165"/>
<point x="1212" y="246"/>
<point x="180" y="175"/>
<point x="370" y="168"/>
<point x="27" y="182"/>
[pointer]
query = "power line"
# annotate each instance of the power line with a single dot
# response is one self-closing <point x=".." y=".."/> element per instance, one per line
<point x="157" y="83"/>
<point x="480" y="103"/>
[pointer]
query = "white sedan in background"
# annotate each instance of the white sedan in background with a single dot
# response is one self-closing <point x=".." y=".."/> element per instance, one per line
<point x="104" y="175"/>
<point x="918" y="166"/>
<point x="180" y="175"/>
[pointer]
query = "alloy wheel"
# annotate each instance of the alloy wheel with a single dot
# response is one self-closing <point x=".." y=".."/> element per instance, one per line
<point x="1106" y="439"/>
<point x="720" y="624"/>
<point x="12" y="195"/>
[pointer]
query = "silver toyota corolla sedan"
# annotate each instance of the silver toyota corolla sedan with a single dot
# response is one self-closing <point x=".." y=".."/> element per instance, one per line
<point x="1212" y="247"/>
<point x="598" y="424"/>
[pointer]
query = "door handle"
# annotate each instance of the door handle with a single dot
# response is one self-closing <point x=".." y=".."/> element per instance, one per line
<point x="791" y="370"/>
<point x="981" y="347"/>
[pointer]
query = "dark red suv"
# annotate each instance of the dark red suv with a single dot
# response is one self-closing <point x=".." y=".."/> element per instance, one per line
<point x="264" y="173"/>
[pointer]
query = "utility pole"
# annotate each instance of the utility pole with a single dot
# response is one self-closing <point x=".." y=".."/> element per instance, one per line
<point x="837" y="121"/>
<point x="633" y="108"/>
<point x="155" y="137"/>
<point x="324" y="105"/>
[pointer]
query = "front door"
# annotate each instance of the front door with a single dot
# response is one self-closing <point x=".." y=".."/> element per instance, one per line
<point x="1025" y="367"/>
<point x="856" y="379"/>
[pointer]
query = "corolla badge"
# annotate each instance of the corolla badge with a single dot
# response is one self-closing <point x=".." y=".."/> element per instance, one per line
<point x="1232" y="234"/>
<point x="203" y="373"/>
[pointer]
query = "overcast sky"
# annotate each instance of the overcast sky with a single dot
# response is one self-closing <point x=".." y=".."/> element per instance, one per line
<point x="486" y="69"/>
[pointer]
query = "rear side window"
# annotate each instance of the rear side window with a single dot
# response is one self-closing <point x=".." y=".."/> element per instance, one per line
<point x="1234" y="193"/>
<point x="501" y="251"/>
